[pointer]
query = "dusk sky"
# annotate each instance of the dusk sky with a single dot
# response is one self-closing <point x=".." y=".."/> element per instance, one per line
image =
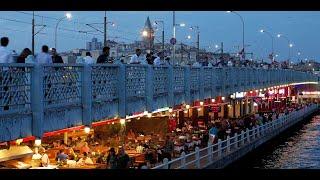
<point x="302" y="28"/>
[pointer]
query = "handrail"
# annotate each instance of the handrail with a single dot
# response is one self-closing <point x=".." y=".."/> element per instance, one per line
<point x="119" y="89"/>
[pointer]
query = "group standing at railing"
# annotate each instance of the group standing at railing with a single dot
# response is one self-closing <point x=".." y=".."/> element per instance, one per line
<point x="46" y="57"/>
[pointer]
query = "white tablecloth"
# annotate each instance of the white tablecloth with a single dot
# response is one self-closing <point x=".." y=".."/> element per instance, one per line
<point x="178" y="148"/>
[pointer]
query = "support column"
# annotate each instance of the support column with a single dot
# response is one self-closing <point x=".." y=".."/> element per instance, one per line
<point x="241" y="108"/>
<point x="86" y="96"/>
<point x="246" y="106"/>
<point x="65" y="138"/>
<point x="122" y="91"/>
<point x="181" y="119"/>
<point x="149" y="89"/>
<point x="251" y="106"/>
<point x="234" y="108"/>
<point x="37" y="100"/>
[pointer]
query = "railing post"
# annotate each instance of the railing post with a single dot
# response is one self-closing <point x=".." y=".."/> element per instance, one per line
<point x="197" y="157"/>
<point x="210" y="152"/>
<point x="166" y="163"/>
<point x="122" y="91"/>
<point x="183" y="160"/>
<point x="242" y="138"/>
<point x="236" y="140"/>
<point x="228" y="144"/>
<point x="149" y="88"/>
<point x="86" y="95"/>
<point x="170" y="86"/>
<point x="248" y="135"/>
<point x="253" y="133"/>
<point x="219" y="148"/>
<point x="258" y="131"/>
<point x="37" y="104"/>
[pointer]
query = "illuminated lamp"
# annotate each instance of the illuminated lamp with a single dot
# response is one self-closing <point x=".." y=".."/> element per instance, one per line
<point x="87" y="130"/>
<point x="19" y="141"/>
<point x="37" y="142"/>
<point x="122" y="121"/>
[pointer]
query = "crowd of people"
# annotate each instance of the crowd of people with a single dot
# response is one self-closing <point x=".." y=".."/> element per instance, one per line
<point x="47" y="57"/>
<point x="44" y="57"/>
<point x="221" y="128"/>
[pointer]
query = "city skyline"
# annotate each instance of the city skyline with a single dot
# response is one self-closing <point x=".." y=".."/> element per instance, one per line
<point x="215" y="27"/>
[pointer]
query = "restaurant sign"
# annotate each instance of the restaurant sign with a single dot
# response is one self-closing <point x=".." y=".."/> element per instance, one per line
<point x="215" y="109"/>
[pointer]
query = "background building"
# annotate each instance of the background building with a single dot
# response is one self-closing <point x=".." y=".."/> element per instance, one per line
<point x="148" y="35"/>
<point x="94" y="45"/>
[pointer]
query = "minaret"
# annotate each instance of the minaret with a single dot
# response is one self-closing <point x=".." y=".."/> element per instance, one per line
<point x="148" y="34"/>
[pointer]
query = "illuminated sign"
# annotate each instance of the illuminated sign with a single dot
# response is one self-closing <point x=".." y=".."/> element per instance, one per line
<point x="281" y="91"/>
<point x="240" y="94"/>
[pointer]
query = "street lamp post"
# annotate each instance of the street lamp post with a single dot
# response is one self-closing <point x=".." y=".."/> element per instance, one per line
<point x="35" y="33"/>
<point x="198" y="40"/>
<point x="174" y="32"/>
<point x="162" y="23"/>
<point x="241" y="18"/>
<point x="290" y="45"/>
<point x="33" y="25"/>
<point x="299" y="53"/>
<point x="272" y="40"/>
<point x="105" y="29"/>
<point x="67" y="16"/>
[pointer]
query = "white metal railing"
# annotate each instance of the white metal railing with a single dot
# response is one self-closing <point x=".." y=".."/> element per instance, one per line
<point x="204" y="157"/>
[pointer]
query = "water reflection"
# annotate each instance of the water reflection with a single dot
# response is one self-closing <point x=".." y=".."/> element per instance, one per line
<point x="299" y="149"/>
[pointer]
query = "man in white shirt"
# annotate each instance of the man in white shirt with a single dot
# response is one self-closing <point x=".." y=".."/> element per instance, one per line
<point x="137" y="58"/>
<point x="159" y="60"/>
<point x="44" y="57"/>
<point x="85" y="160"/>
<point x="88" y="59"/>
<point x="5" y="54"/>
<point x="45" y="161"/>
